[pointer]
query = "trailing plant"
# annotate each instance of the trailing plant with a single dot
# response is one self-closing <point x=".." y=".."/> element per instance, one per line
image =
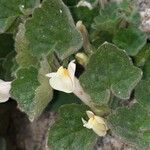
<point x="81" y="59"/>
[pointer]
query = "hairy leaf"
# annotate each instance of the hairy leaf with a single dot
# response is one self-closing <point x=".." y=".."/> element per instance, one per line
<point x="23" y="88"/>
<point x="23" y="58"/>
<point x="52" y="29"/>
<point x="44" y="92"/>
<point x="68" y="132"/>
<point x="109" y="70"/>
<point x="84" y="14"/>
<point x="107" y="19"/>
<point x="142" y="56"/>
<point x="31" y="89"/>
<point x="133" y="124"/>
<point x="131" y="39"/>
<point x="11" y="9"/>
<point x="146" y="69"/>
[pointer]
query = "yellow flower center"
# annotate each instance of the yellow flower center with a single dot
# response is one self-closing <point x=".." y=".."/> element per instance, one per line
<point x="92" y="120"/>
<point x="63" y="71"/>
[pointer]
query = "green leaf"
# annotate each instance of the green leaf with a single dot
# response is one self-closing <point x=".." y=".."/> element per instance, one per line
<point x="98" y="38"/>
<point x="5" y="23"/>
<point x="23" y="58"/>
<point x="23" y="88"/>
<point x="133" y="124"/>
<point x="142" y="56"/>
<point x="146" y="69"/>
<point x="12" y="9"/>
<point x="61" y="98"/>
<point x="129" y="12"/>
<point x="113" y="17"/>
<point x="68" y="132"/>
<point x="31" y="89"/>
<point x="105" y="25"/>
<point x="44" y="93"/>
<point x="52" y="29"/>
<point x="115" y="102"/>
<point x="109" y="70"/>
<point x="131" y="39"/>
<point x="84" y="14"/>
<point x="107" y="19"/>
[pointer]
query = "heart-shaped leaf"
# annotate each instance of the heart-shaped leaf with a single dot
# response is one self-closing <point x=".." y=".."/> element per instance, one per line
<point x="133" y="124"/>
<point x="52" y="29"/>
<point x="23" y="88"/>
<point x="109" y="70"/>
<point x="31" y="89"/>
<point x="68" y="132"/>
<point x="11" y="9"/>
<point x="39" y="95"/>
<point x="131" y="39"/>
<point x="107" y="19"/>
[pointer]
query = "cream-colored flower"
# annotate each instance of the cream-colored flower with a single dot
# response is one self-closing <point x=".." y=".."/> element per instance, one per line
<point x="96" y="123"/>
<point x="63" y="79"/>
<point x="4" y="91"/>
<point x="84" y="3"/>
<point x="82" y="58"/>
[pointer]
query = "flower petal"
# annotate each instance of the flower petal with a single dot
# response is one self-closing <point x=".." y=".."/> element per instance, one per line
<point x="100" y="120"/>
<point x="50" y="75"/>
<point x="90" y="114"/>
<point x="99" y="129"/>
<point x="4" y="90"/>
<point x="61" y="83"/>
<point x="86" y="124"/>
<point x="71" y="70"/>
<point x="84" y="121"/>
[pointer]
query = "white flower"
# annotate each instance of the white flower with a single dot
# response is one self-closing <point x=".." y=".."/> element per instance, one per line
<point x="63" y="79"/>
<point x="96" y="123"/>
<point x="4" y="91"/>
<point x="84" y="3"/>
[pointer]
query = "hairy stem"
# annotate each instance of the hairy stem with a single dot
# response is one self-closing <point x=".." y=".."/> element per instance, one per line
<point x="84" y="97"/>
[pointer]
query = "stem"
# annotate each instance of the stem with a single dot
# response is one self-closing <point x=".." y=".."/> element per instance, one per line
<point x="82" y="29"/>
<point x="102" y="3"/>
<point x="84" y="97"/>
